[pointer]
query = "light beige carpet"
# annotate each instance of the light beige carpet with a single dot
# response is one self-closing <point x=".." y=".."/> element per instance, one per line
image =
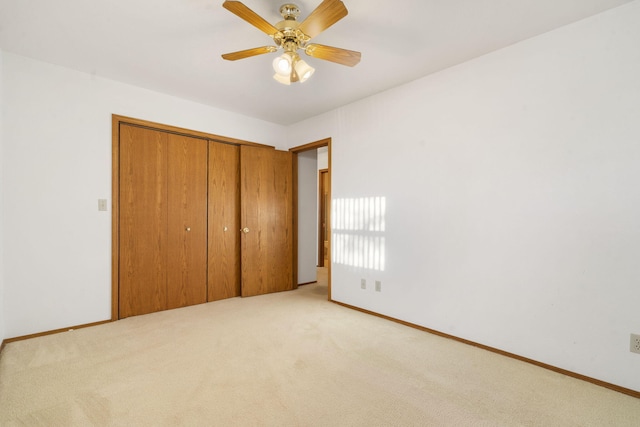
<point x="287" y="359"/>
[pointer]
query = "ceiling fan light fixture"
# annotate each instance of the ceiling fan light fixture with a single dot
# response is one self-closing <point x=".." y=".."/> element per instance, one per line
<point x="292" y="35"/>
<point x="303" y="70"/>
<point x="282" y="64"/>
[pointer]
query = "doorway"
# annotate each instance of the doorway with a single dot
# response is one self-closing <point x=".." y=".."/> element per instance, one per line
<point x="303" y="240"/>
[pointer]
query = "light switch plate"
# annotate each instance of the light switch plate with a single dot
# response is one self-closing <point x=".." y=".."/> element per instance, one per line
<point x="102" y="204"/>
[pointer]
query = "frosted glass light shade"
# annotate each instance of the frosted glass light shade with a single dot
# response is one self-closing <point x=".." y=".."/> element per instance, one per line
<point x="282" y="64"/>
<point x="285" y="80"/>
<point x="303" y="70"/>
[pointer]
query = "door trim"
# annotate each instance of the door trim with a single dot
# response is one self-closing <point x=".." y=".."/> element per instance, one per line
<point x="116" y="121"/>
<point x="326" y="142"/>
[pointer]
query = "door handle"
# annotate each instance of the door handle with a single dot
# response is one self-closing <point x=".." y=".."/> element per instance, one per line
<point x="245" y="230"/>
<point x="188" y="229"/>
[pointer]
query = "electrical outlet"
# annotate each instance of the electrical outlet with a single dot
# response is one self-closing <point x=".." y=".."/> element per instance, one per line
<point x="378" y="286"/>
<point x="635" y="343"/>
<point x="363" y="284"/>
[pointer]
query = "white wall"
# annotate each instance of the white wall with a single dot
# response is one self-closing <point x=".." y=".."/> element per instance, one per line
<point x="307" y="216"/>
<point x="57" y="164"/>
<point x="512" y="200"/>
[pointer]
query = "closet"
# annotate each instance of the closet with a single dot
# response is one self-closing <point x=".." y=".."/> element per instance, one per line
<point x="196" y="219"/>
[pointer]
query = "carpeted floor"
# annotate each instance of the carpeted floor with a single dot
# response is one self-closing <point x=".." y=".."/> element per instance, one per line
<point x="287" y="359"/>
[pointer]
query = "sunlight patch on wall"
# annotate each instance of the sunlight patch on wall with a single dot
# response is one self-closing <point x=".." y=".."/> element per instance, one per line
<point x="358" y="232"/>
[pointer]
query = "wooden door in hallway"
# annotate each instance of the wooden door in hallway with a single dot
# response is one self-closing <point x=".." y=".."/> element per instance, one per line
<point x="266" y="220"/>
<point x="323" y="215"/>
<point x="162" y="221"/>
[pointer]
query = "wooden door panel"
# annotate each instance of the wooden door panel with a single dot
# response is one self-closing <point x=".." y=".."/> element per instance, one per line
<point x="187" y="221"/>
<point x="266" y="211"/>
<point x="142" y="221"/>
<point x="224" y="221"/>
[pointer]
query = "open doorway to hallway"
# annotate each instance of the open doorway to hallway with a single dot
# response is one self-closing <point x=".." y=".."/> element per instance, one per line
<point x="312" y="205"/>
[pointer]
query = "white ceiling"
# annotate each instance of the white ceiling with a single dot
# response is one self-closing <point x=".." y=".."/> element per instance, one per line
<point x="174" y="46"/>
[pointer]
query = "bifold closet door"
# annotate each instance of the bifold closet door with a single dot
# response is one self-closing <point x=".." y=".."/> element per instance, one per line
<point x="267" y="220"/>
<point x="187" y="221"/>
<point x="162" y="221"/>
<point x="224" y="221"/>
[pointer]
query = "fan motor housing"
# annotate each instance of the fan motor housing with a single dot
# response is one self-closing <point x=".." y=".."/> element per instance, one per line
<point x="289" y="35"/>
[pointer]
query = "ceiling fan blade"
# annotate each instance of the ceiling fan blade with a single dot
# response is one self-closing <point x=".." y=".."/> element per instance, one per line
<point x="250" y="16"/>
<point x="241" y="54"/>
<point x="325" y="15"/>
<point x="333" y="54"/>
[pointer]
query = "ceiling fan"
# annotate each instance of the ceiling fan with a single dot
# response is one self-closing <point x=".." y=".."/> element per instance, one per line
<point x="291" y="35"/>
